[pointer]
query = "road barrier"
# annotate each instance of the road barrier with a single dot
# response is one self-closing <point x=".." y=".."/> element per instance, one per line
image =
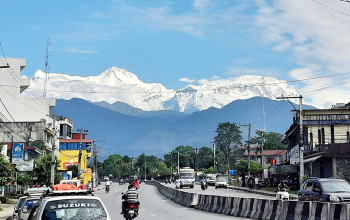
<point x="258" y="208"/>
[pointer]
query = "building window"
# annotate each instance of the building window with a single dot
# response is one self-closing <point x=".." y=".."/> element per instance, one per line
<point x="319" y="136"/>
<point x="332" y="133"/>
<point x="323" y="136"/>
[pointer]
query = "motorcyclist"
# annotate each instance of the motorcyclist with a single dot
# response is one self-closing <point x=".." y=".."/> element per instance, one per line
<point x="136" y="183"/>
<point x="108" y="183"/>
<point x="203" y="183"/>
<point x="282" y="186"/>
<point x="130" y="196"/>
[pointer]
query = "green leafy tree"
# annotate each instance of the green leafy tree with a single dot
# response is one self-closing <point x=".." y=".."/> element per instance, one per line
<point x="74" y="169"/>
<point x="272" y="140"/>
<point x="229" y="140"/>
<point x="42" y="170"/>
<point x="24" y="179"/>
<point x="205" y="158"/>
<point x="242" y="169"/>
<point x="113" y="165"/>
<point x="255" y="167"/>
<point x="6" y="172"/>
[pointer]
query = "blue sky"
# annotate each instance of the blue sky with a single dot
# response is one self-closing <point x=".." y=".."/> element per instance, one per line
<point x="182" y="41"/>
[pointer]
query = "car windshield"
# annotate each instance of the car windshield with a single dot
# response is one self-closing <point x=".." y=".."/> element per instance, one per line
<point x="186" y="175"/>
<point x="221" y="179"/>
<point x="28" y="205"/>
<point x="74" y="209"/>
<point x="335" y="186"/>
<point x="212" y="178"/>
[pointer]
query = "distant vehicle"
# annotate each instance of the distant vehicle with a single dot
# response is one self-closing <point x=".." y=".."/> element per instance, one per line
<point x="17" y="206"/>
<point x="77" y="183"/>
<point x="132" y="178"/>
<point x="325" y="190"/>
<point x="221" y="182"/>
<point x="121" y="181"/>
<point x="211" y="178"/>
<point x="69" y="204"/>
<point x="26" y="207"/>
<point x="187" y="177"/>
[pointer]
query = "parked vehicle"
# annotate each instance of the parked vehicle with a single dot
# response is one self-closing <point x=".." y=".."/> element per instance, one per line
<point x="187" y="177"/>
<point x="26" y="207"/>
<point x="69" y="204"/>
<point x="17" y="206"/>
<point x="211" y="178"/>
<point x="325" y="190"/>
<point x="221" y="182"/>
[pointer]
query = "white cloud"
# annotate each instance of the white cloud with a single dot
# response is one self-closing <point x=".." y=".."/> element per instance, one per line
<point x="318" y="38"/>
<point x="77" y="50"/>
<point x="187" y="80"/>
<point x="201" y="4"/>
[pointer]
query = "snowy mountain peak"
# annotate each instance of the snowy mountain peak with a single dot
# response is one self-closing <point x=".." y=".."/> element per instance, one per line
<point x="119" y="85"/>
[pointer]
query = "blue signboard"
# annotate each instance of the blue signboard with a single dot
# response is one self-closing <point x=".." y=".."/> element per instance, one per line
<point x="17" y="153"/>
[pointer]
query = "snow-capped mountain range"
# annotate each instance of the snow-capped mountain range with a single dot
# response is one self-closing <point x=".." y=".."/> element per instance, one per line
<point x="118" y="85"/>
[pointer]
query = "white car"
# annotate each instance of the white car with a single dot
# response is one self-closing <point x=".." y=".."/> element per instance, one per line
<point x="221" y="182"/>
<point x="26" y="207"/>
<point x="70" y="204"/>
<point x="17" y="206"/>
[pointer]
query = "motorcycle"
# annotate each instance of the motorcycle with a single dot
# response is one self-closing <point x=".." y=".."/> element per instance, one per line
<point x="107" y="188"/>
<point x="282" y="194"/>
<point x="203" y="187"/>
<point x="130" y="211"/>
<point x="177" y="184"/>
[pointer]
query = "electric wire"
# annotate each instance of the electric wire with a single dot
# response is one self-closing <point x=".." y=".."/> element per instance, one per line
<point x="324" y="5"/>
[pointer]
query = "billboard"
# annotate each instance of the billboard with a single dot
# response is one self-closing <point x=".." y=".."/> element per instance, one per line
<point x="17" y="153"/>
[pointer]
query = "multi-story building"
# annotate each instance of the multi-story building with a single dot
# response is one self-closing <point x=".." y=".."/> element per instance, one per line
<point x="326" y="137"/>
<point x="26" y="127"/>
<point x="70" y="146"/>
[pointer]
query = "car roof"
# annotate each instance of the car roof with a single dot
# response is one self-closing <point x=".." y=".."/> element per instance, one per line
<point x="53" y="198"/>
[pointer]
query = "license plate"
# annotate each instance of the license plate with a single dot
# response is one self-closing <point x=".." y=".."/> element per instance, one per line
<point x="131" y="212"/>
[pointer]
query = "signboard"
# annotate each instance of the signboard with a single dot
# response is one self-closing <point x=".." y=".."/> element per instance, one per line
<point x="25" y="165"/>
<point x="17" y="153"/>
<point x="294" y="155"/>
<point x="67" y="164"/>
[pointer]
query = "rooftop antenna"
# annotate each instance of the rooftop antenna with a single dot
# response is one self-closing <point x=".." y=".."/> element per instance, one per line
<point x="46" y="66"/>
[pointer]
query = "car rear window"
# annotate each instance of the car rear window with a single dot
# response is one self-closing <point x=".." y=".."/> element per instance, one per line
<point x="28" y="205"/>
<point x="74" y="209"/>
<point x="335" y="186"/>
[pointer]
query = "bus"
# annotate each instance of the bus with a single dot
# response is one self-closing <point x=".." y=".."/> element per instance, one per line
<point x="187" y="177"/>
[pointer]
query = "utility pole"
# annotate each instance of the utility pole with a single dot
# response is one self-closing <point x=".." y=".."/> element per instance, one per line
<point x="53" y="159"/>
<point x="145" y="168"/>
<point x="171" y="165"/>
<point x="195" y="159"/>
<point x="249" y="126"/>
<point x="178" y="163"/>
<point x="80" y="151"/>
<point x="301" y="136"/>
<point x="95" y="167"/>
<point x="214" y="149"/>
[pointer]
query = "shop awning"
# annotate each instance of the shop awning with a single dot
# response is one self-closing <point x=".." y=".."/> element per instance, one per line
<point x="312" y="159"/>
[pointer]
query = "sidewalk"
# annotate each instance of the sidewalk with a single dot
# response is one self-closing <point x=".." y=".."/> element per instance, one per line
<point x="7" y="210"/>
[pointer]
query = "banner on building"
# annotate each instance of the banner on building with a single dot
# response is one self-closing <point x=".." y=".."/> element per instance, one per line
<point x="294" y="155"/>
<point x="25" y="165"/>
<point x="17" y="153"/>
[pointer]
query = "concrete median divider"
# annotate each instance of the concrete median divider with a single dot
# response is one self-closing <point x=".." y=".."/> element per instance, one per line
<point x="255" y="208"/>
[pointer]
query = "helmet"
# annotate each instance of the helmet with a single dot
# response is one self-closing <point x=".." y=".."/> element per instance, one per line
<point x="130" y="186"/>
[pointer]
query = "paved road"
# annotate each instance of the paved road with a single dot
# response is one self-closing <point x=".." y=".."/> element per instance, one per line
<point x="154" y="206"/>
<point x="221" y="192"/>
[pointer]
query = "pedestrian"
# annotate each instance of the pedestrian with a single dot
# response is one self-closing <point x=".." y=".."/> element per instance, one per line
<point x="256" y="181"/>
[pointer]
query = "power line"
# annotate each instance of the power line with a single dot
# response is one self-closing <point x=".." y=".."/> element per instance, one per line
<point x="324" y="5"/>
<point x="191" y="90"/>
